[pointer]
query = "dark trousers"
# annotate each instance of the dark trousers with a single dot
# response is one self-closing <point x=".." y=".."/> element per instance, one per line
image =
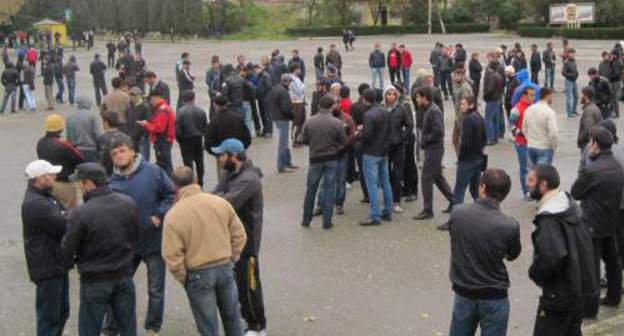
<point x="396" y="160"/>
<point x="395" y="74"/>
<point x="299" y="113"/>
<point x="476" y="86"/>
<point x="100" y="91"/>
<point x="61" y="89"/>
<point x="360" y="163"/>
<point x="447" y="83"/>
<point x="162" y="148"/>
<point x="620" y="238"/>
<point x="193" y="152"/>
<point x="250" y="292"/>
<point x="410" y="170"/>
<point x="436" y="77"/>
<point x="21" y="97"/>
<point x="558" y="323"/>
<point x="265" y="115"/>
<point x="256" y="116"/>
<point x="605" y="249"/>
<point x="52" y="305"/>
<point x="432" y="174"/>
<point x="97" y="297"/>
<point x="468" y="174"/>
<point x="352" y="174"/>
<point x="111" y="61"/>
<point x="535" y="77"/>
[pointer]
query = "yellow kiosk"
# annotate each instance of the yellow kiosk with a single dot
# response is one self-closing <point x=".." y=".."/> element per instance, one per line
<point x="54" y="27"/>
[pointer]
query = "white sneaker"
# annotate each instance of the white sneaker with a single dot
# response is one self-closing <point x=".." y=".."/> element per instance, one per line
<point x="151" y="333"/>
<point x="349" y="186"/>
<point x="256" y="333"/>
<point x="397" y="209"/>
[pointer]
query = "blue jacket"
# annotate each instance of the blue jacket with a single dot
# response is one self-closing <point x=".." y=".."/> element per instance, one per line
<point x="152" y="190"/>
<point x="525" y="83"/>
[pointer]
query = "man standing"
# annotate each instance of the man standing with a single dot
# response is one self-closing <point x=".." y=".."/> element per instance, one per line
<point x="358" y="111"/>
<point x="117" y="101"/>
<point x="603" y="96"/>
<point x="156" y="84"/>
<point x="591" y="117"/>
<point x="599" y="188"/>
<point x="615" y="79"/>
<point x="213" y="81"/>
<point x="394" y="64"/>
<point x="226" y="124"/>
<point x="83" y="129"/>
<point x="161" y="129"/>
<point x="152" y="191"/>
<point x="326" y="138"/>
<point x="446" y="68"/>
<point x="461" y="90"/>
<point x="433" y="145"/>
<point x="191" y="124"/>
<point x="570" y="74"/>
<point x="281" y="112"/>
<point x="69" y="71"/>
<point x="98" y="71"/>
<point x="111" y="48"/>
<point x="319" y="64"/>
<point x="434" y="60"/>
<point x="563" y="257"/>
<point x="111" y="134"/>
<point x="550" y="59"/>
<point x="139" y="110"/>
<point x="101" y="237"/>
<point x="377" y="64"/>
<point x="262" y="93"/>
<point x="185" y="82"/>
<point x="333" y="58"/>
<point x="44" y="224"/>
<point x="10" y="81"/>
<point x="47" y="72"/>
<point x="374" y="137"/>
<point x="58" y="151"/>
<point x="460" y="55"/>
<point x="233" y="88"/>
<point x="242" y="187"/>
<point x="202" y="238"/>
<point x="296" y="91"/>
<point x="493" y="87"/>
<point x="540" y="129"/>
<point x="297" y="61"/>
<point x="406" y="66"/>
<point x="536" y="64"/>
<point x="482" y="238"/>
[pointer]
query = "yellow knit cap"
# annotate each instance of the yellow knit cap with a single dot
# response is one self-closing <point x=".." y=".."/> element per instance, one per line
<point x="54" y="123"/>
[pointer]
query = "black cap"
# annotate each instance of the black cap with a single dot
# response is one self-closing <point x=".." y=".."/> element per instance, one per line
<point x="89" y="171"/>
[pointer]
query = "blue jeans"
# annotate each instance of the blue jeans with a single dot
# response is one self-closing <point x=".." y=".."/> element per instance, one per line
<point x="9" y="93"/>
<point x="211" y="291"/>
<point x="97" y="297"/>
<point x="146" y="147"/>
<point x="521" y="150"/>
<point x="549" y="78"/>
<point x="341" y="183"/>
<point x="61" y="89"/>
<point x="284" y="158"/>
<point x="571" y="92"/>
<point x="468" y="174"/>
<point x="52" y="305"/>
<point x="247" y="116"/>
<point x="491" y="316"/>
<point x="540" y="156"/>
<point x="492" y="114"/>
<point x="31" y="102"/>
<point x="376" y="175"/>
<point x="319" y="74"/>
<point x="327" y="171"/>
<point x="71" y="90"/>
<point x="406" y="78"/>
<point x="378" y="77"/>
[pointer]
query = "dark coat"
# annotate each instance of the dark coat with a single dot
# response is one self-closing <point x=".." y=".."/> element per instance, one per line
<point x="59" y="151"/>
<point x="191" y="122"/>
<point x="375" y="132"/>
<point x="493" y="86"/>
<point x="163" y="88"/>
<point x="433" y="127"/>
<point x="226" y="124"/>
<point x="536" y="62"/>
<point x="233" y="89"/>
<point x="278" y="103"/>
<point x="102" y="235"/>
<point x="401" y="124"/>
<point x="44" y="223"/>
<point x="98" y="71"/>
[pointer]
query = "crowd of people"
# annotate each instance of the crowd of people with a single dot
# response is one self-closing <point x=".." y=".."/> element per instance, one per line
<point x="95" y="200"/>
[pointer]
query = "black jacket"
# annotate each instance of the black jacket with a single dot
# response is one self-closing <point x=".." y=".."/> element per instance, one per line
<point x="60" y="152"/>
<point x="319" y="63"/>
<point x="299" y="62"/>
<point x="536" y="62"/>
<point x="264" y="85"/>
<point x="493" y="86"/>
<point x="243" y="189"/>
<point x="432" y="128"/>
<point x="563" y="258"/>
<point x="233" y="88"/>
<point x="358" y="109"/>
<point x="401" y="124"/>
<point x="376" y="131"/>
<point x="10" y="78"/>
<point x="163" y="88"/>
<point x="44" y="224"/>
<point x="603" y="94"/>
<point x="226" y="124"/>
<point x="510" y="87"/>
<point x="570" y="70"/>
<point x="98" y="70"/>
<point x="102" y="235"/>
<point x="599" y="188"/>
<point x="186" y="81"/>
<point x="549" y="58"/>
<point x="475" y="68"/>
<point x="278" y="102"/>
<point x="135" y="113"/>
<point x="191" y="122"/>
<point x="473" y="137"/>
<point x="460" y="56"/>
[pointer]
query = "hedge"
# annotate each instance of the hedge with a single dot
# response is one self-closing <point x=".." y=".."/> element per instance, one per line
<point x="582" y="33"/>
<point x="382" y="30"/>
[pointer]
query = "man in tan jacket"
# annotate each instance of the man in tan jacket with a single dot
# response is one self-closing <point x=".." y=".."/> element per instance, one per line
<point x="202" y="237"/>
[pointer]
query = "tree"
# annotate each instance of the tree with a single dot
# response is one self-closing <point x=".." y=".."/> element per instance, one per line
<point x="310" y="6"/>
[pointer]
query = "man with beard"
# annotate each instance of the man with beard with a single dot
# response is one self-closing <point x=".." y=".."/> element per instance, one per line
<point x="563" y="257"/>
<point x="603" y="95"/>
<point x="591" y="116"/>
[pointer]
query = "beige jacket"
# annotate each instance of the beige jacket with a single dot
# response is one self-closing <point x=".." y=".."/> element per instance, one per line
<point x="117" y="101"/>
<point x="201" y="230"/>
<point x="540" y="126"/>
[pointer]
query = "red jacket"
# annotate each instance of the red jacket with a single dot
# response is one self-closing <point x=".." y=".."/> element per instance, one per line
<point x="406" y="60"/>
<point x="345" y="105"/>
<point x="162" y="123"/>
<point x="522" y="105"/>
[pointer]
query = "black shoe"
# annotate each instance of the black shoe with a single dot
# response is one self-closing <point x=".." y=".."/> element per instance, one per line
<point x="603" y="283"/>
<point x="364" y="201"/>
<point x="328" y="226"/>
<point x="305" y="224"/>
<point x="387" y="217"/>
<point x="443" y="227"/>
<point x="423" y="216"/>
<point x="317" y="212"/>
<point x="411" y="198"/>
<point x="449" y="209"/>
<point x="370" y="222"/>
<point x="605" y="302"/>
<point x="339" y="210"/>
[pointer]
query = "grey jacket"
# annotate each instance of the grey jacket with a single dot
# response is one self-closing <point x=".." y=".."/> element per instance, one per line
<point x="591" y="116"/>
<point x="84" y="127"/>
<point x="325" y="136"/>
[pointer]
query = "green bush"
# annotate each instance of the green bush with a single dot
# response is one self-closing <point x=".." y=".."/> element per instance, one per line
<point x="582" y="33"/>
<point x="388" y="30"/>
<point x="536" y="31"/>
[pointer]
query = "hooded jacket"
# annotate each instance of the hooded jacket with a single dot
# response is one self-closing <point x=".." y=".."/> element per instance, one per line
<point x="243" y="189"/>
<point x="563" y="256"/>
<point x="84" y="127"/>
<point x="401" y="121"/>
<point x="376" y="130"/>
<point x="59" y="151"/>
<point x="525" y="83"/>
<point x="516" y="121"/>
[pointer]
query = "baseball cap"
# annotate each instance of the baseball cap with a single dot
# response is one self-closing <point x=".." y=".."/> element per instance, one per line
<point x="89" y="171"/>
<point x="231" y="145"/>
<point x="41" y="167"/>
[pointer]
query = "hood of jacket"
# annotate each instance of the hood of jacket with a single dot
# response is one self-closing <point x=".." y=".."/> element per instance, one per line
<point x="559" y="203"/>
<point x="84" y="103"/>
<point x="522" y="75"/>
<point x="132" y="169"/>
